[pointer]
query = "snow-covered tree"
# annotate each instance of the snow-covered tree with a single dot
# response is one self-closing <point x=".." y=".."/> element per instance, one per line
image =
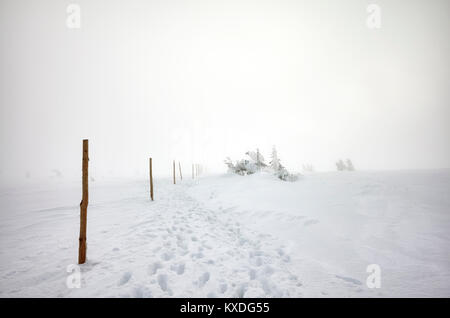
<point x="340" y="165"/>
<point x="259" y="159"/>
<point x="256" y="158"/>
<point x="241" y="167"/>
<point x="244" y="167"/>
<point x="349" y="165"/>
<point x="275" y="163"/>
<point x="230" y="165"/>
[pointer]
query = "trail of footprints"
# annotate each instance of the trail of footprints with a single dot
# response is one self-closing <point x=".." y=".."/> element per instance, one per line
<point x="208" y="254"/>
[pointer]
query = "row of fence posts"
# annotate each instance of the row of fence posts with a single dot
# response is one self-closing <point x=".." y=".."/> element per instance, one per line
<point x="197" y="169"/>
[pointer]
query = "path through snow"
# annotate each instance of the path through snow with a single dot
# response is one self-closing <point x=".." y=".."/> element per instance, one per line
<point x="172" y="247"/>
<point x="231" y="236"/>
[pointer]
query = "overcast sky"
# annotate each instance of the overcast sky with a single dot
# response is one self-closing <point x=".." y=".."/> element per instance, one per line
<point x="201" y="80"/>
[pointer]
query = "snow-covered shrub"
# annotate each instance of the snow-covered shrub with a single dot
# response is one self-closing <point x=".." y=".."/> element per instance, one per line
<point x="285" y="175"/>
<point x="340" y="165"/>
<point x="275" y="163"/>
<point x="244" y="167"/>
<point x="257" y="159"/>
<point x="229" y="164"/>
<point x="241" y="167"/>
<point x="256" y="163"/>
<point x="348" y="165"/>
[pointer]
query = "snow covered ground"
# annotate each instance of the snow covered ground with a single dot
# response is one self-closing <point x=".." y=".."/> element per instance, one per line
<point x="232" y="236"/>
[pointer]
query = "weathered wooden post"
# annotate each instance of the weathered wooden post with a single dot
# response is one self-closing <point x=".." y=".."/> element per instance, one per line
<point x="174" y="182"/>
<point x="151" y="180"/>
<point x="192" y="171"/>
<point x="179" y="168"/>
<point x="84" y="203"/>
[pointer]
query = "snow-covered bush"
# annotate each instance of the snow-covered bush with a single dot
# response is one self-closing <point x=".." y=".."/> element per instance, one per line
<point x="285" y="175"/>
<point x="340" y="165"/>
<point x="275" y="163"/>
<point x="348" y="165"/>
<point x="241" y="167"/>
<point x="278" y="169"/>
<point x="256" y="163"/>
<point x="229" y="164"/>
<point x="257" y="159"/>
<point x="244" y="167"/>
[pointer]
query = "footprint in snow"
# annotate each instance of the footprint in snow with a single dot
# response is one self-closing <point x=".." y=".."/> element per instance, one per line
<point x="124" y="279"/>
<point x="162" y="281"/>
<point x="349" y="280"/>
<point x="178" y="268"/>
<point x="167" y="256"/>
<point x="197" y="255"/>
<point x="203" y="279"/>
<point x="152" y="269"/>
<point x="310" y="222"/>
<point x="223" y="288"/>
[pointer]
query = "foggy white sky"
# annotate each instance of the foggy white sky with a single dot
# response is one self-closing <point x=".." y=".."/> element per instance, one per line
<point x="202" y="80"/>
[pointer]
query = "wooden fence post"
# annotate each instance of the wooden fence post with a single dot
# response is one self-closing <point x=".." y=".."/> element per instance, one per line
<point x="174" y="182"/>
<point x="179" y="167"/>
<point x="151" y="180"/>
<point x="84" y="204"/>
<point x="192" y="171"/>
